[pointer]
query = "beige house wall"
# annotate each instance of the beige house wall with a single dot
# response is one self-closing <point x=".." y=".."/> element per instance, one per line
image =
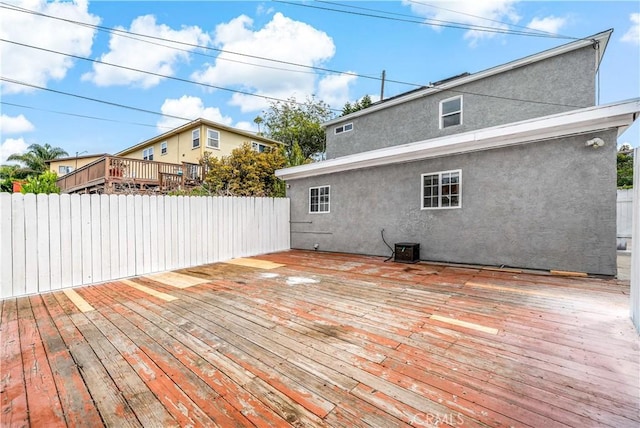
<point x="75" y="163"/>
<point x="180" y="146"/>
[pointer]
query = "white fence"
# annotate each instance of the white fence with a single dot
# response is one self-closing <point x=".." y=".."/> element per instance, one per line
<point x="48" y="242"/>
<point x="624" y="212"/>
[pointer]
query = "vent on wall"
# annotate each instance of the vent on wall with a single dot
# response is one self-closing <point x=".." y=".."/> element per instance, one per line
<point x="407" y="252"/>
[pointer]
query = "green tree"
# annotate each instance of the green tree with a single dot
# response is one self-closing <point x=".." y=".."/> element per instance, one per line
<point x="625" y="169"/>
<point x="43" y="183"/>
<point x="33" y="160"/>
<point x="358" y="105"/>
<point x="291" y="122"/>
<point x="245" y="172"/>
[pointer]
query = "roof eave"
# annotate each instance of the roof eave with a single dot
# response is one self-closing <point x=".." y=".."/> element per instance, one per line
<point x="616" y="115"/>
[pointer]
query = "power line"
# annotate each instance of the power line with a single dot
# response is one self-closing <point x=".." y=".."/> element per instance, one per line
<point x="180" y="79"/>
<point x="17" y="82"/>
<point x="492" y="20"/>
<point x="262" y="96"/>
<point x="424" y="21"/>
<point x="83" y="116"/>
<point x="127" y="34"/>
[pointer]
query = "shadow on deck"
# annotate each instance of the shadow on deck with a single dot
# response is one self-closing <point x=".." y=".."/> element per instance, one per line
<point x="322" y="339"/>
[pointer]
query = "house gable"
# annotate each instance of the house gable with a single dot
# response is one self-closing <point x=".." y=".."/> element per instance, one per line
<point x="554" y="81"/>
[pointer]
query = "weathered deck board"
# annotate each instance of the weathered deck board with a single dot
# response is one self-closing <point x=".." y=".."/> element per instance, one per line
<point x="318" y="339"/>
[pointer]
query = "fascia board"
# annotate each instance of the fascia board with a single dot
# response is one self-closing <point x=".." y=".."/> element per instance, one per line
<point x="601" y="37"/>
<point x="570" y="123"/>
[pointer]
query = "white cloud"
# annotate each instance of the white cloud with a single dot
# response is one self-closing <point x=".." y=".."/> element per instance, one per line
<point x="282" y="39"/>
<point x="190" y="108"/>
<point x="334" y="89"/>
<point x="550" y="24"/>
<point x="246" y="126"/>
<point x="37" y="67"/>
<point x="633" y="33"/>
<point x="150" y="57"/>
<point x="15" y="124"/>
<point x="12" y="146"/>
<point x="470" y="12"/>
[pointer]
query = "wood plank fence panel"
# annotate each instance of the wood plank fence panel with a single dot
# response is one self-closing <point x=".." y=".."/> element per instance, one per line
<point x="6" y="263"/>
<point x="59" y="241"/>
<point x="18" y="242"/>
<point x="31" y="244"/>
<point x="55" y="249"/>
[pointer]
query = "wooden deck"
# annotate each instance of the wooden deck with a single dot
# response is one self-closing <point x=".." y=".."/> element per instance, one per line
<point x="318" y="339"/>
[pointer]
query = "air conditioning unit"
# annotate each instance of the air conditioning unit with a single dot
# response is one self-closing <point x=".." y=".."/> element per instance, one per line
<point x="407" y="252"/>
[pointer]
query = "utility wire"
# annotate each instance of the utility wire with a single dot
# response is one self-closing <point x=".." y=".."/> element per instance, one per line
<point x="17" y="82"/>
<point x="84" y="116"/>
<point x="493" y="20"/>
<point x="264" y="96"/>
<point x="128" y="34"/>
<point x="439" y="22"/>
<point x="426" y="21"/>
<point x="179" y="79"/>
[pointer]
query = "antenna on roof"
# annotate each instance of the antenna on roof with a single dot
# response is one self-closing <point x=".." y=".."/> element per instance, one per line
<point x="384" y="73"/>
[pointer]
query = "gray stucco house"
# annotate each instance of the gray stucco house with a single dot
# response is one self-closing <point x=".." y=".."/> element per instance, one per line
<point x="513" y="166"/>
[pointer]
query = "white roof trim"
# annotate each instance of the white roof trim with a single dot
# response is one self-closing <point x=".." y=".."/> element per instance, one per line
<point x="615" y="115"/>
<point x="602" y="38"/>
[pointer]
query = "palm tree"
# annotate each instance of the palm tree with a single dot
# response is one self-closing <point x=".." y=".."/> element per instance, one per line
<point x="34" y="158"/>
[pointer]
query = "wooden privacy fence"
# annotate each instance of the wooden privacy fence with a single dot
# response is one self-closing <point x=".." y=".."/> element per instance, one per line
<point x="624" y="211"/>
<point x="48" y="242"/>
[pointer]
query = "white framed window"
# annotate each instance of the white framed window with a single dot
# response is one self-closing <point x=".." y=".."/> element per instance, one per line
<point x="441" y="190"/>
<point x="451" y="112"/>
<point x="195" y="138"/>
<point x="147" y="154"/>
<point x="213" y="139"/>
<point x="163" y="148"/>
<point x="259" y="147"/>
<point x="63" y="169"/>
<point x="343" y="128"/>
<point x="319" y="199"/>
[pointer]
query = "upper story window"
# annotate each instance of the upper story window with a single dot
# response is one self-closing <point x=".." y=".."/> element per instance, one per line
<point x="63" y="169"/>
<point x="258" y="147"/>
<point x="213" y="139"/>
<point x="442" y="190"/>
<point x="451" y="112"/>
<point x="163" y="148"/>
<point x="147" y="154"/>
<point x="343" y="128"/>
<point x="195" y="138"/>
<point x="319" y="199"/>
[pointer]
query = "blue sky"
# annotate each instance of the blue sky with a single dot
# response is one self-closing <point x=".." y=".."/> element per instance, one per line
<point x="311" y="34"/>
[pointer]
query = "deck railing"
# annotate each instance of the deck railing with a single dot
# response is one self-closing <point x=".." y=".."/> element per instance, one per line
<point x="104" y="172"/>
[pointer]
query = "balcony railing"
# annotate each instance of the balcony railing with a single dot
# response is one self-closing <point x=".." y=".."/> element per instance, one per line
<point x="112" y="174"/>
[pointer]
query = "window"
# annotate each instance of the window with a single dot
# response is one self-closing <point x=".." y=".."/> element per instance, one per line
<point x="451" y="112"/>
<point x="213" y="139"/>
<point x="147" y="154"/>
<point x="344" y="128"/>
<point x="259" y="147"/>
<point x="195" y="138"/>
<point x="163" y="148"/>
<point x="63" y="169"/>
<point x="319" y="199"/>
<point x="442" y="190"/>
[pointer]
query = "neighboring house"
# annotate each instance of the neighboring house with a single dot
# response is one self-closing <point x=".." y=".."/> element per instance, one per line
<point x="510" y="166"/>
<point x="189" y="143"/>
<point x="63" y="166"/>
<point x="162" y="164"/>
